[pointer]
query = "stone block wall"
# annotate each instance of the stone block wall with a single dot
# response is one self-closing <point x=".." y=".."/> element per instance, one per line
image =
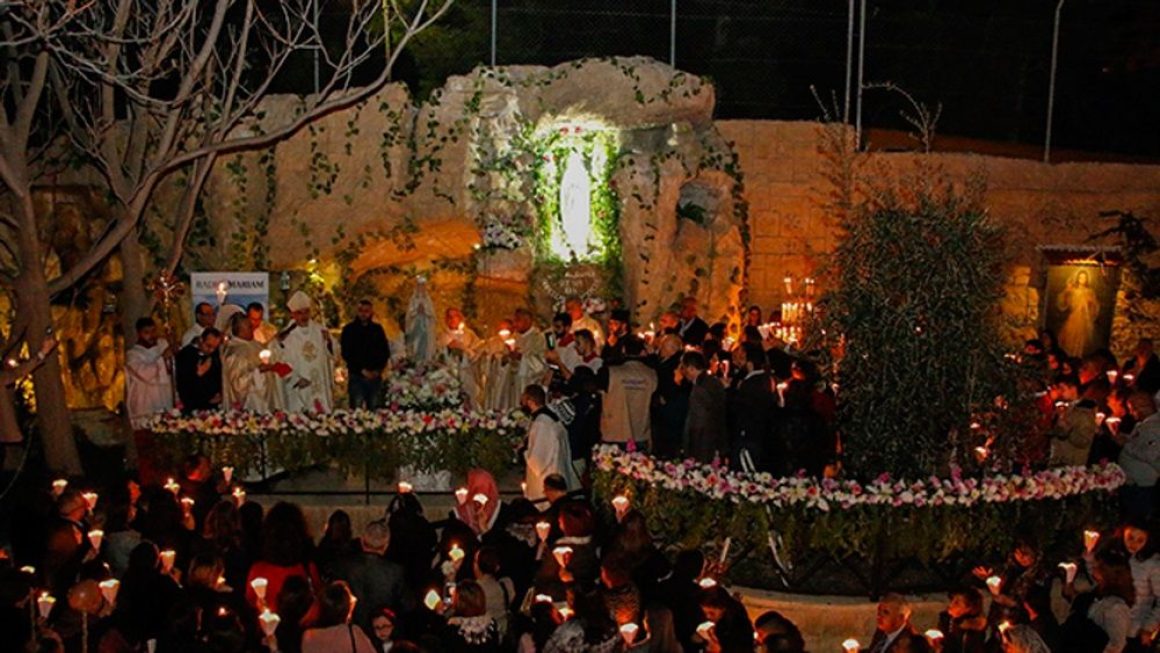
<point x="1038" y="203"/>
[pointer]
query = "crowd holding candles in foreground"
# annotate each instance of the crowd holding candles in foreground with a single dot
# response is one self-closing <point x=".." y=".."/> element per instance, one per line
<point x="193" y="565"/>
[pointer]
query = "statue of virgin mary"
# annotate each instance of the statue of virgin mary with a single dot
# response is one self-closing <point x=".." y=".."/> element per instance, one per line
<point x="420" y="336"/>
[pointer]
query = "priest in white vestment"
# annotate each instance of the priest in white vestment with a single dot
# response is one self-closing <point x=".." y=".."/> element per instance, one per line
<point x="148" y="375"/>
<point x="582" y="320"/>
<point x="460" y="345"/>
<point x="548" y="450"/>
<point x="529" y="351"/>
<point x="306" y="346"/>
<point x="251" y="382"/>
<point x="496" y="370"/>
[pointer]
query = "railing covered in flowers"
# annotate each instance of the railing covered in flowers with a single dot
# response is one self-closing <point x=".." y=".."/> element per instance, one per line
<point x="866" y="526"/>
<point x="356" y="441"/>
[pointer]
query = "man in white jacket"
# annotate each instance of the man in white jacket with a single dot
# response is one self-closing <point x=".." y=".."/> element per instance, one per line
<point x="548" y="451"/>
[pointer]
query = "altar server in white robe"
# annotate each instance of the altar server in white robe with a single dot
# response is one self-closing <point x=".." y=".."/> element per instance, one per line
<point x="250" y="382"/>
<point x="148" y="375"/>
<point x="497" y="370"/>
<point x="548" y="450"/>
<point x="306" y="346"/>
<point x="530" y="348"/>
<point x="461" y="346"/>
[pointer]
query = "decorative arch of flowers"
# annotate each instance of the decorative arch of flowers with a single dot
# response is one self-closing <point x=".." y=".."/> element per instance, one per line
<point x="929" y="520"/>
<point x="357" y="441"/>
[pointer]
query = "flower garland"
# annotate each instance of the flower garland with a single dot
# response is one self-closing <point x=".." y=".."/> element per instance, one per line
<point x="719" y="483"/>
<point x="360" y="440"/>
<point x="422" y="386"/>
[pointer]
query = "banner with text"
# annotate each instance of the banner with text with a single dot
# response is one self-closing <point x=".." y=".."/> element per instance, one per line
<point x="219" y="289"/>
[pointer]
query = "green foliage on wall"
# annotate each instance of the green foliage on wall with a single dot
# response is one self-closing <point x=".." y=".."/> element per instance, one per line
<point x="918" y="281"/>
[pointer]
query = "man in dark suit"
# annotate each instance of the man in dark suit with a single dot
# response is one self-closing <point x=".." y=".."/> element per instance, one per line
<point x="751" y="405"/>
<point x="692" y="328"/>
<point x="706" y="435"/>
<point x="894" y="632"/>
<point x="199" y="372"/>
<point x="376" y="581"/>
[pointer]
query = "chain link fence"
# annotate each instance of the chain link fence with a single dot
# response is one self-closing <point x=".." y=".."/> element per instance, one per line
<point x="987" y="63"/>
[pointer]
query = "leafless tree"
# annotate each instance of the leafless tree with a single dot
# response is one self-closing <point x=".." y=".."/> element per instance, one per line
<point x="141" y="89"/>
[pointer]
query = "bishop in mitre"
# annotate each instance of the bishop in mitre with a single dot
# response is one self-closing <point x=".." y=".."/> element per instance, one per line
<point x="307" y="348"/>
<point x="251" y="382"/>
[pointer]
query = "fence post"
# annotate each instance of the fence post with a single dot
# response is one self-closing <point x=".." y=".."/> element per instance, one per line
<point x="849" y="60"/>
<point x="673" y="33"/>
<point x="861" y="70"/>
<point x="1051" y="84"/>
<point x="494" y="10"/>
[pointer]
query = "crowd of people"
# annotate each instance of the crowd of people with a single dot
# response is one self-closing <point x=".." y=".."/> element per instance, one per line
<point x="192" y="565"/>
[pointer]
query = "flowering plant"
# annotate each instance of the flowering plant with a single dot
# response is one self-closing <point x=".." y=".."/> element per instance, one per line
<point x="497" y="235"/>
<point x="882" y="524"/>
<point x="423" y="386"/>
<point x="373" y="442"/>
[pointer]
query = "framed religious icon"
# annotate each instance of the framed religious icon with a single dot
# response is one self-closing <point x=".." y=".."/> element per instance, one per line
<point x="1080" y="299"/>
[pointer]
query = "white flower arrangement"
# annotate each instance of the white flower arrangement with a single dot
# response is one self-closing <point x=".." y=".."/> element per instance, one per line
<point x="427" y="386"/>
<point x="823" y="495"/>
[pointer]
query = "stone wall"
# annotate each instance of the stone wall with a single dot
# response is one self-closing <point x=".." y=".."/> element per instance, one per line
<point x="1040" y="204"/>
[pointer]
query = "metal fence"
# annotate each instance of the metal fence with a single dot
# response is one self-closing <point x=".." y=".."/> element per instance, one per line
<point x="988" y="62"/>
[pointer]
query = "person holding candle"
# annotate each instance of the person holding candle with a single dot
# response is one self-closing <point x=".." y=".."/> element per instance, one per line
<point x="1024" y="572"/>
<point x="1023" y="639"/>
<point x="1074" y="426"/>
<point x="286" y="552"/>
<point x="250" y="379"/>
<point x="222" y="536"/>
<point x="963" y="623"/>
<point x="499" y="591"/>
<point x="1144" y="367"/>
<point x="591" y="629"/>
<point x="146" y="595"/>
<point x="732" y="632"/>
<point x="333" y="631"/>
<point x="469" y="627"/>
<point x="1100" y="620"/>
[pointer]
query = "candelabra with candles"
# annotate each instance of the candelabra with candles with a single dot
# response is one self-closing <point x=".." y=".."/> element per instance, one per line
<point x="796" y="311"/>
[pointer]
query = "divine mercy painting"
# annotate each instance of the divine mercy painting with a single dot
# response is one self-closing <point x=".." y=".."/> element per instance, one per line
<point x="1081" y="300"/>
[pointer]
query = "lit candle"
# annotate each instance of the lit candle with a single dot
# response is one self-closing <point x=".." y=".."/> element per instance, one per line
<point x="994" y="583"/>
<point x="432" y="599"/>
<point x="13" y="363"/>
<point x="543" y="529"/>
<point x="628" y="632"/>
<point x="543" y="598"/>
<point x="1100" y="417"/>
<point x="1129" y="378"/>
<point x="172" y="485"/>
<point x="480" y="498"/>
<point x="91" y="499"/>
<point x="28" y="569"/>
<point x="725" y="549"/>
<point x="1004" y="627"/>
<point x="563" y="554"/>
<point x="58" y="487"/>
<point x="456" y="554"/>
<point x="240" y="495"/>
<point x="524" y="488"/>
<point x="1113" y="423"/>
<point x="228" y="473"/>
<point x="405" y="487"/>
<point x="109" y="590"/>
<point x="1112" y="374"/>
<point x="707" y="583"/>
<point x="44" y="604"/>
<point x="167" y="558"/>
<point x="260" y="584"/>
<point x="1069" y="569"/>
<point x="565" y="613"/>
<point x="96" y="536"/>
<point x="461" y="496"/>
<point x="781" y="387"/>
<point x="620" y="503"/>
<point x="704" y="628"/>
<point x="933" y="636"/>
<point x="851" y="646"/>
<point x="270" y="621"/>
<point x="788" y="280"/>
<point x="265" y="356"/>
<point x="1090" y="539"/>
<point x="981" y="453"/>
<point x="187" y="504"/>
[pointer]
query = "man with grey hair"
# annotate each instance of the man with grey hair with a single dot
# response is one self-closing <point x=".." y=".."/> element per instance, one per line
<point x="374" y="580"/>
<point x="894" y="633"/>
<point x="1140" y="457"/>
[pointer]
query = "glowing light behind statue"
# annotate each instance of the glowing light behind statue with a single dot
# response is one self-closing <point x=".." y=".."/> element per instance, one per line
<point x="574" y="239"/>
